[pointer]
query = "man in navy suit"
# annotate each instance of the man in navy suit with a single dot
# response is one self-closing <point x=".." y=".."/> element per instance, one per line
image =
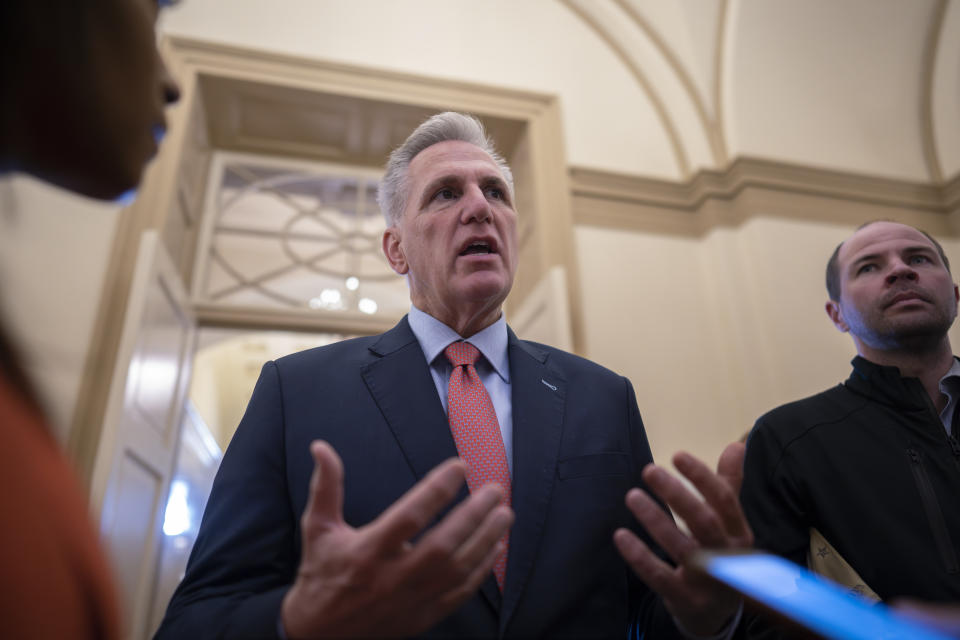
<point x="331" y="516"/>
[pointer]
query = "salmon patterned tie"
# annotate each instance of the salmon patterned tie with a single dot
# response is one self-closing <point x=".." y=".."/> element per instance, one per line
<point x="476" y="432"/>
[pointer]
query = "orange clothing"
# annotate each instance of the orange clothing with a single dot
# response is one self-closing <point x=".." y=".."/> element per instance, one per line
<point x="54" y="579"/>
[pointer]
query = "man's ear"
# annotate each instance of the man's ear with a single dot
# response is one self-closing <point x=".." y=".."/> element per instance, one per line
<point x="393" y="250"/>
<point x="836" y="315"/>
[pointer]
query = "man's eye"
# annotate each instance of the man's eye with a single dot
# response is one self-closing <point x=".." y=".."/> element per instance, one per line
<point x="918" y="259"/>
<point x="866" y="268"/>
<point x="499" y="193"/>
<point x="444" y="194"/>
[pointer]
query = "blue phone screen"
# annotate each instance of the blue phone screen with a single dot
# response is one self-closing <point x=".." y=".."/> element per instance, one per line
<point x="813" y="601"/>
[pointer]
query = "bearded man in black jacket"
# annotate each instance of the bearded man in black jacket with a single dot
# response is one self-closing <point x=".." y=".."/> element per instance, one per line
<point x="862" y="479"/>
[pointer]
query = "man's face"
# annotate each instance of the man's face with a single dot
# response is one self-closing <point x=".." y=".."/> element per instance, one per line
<point x="457" y="237"/>
<point x="94" y="111"/>
<point x="894" y="288"/>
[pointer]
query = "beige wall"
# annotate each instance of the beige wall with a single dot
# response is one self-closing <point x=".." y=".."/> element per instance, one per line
<point x="648" y="318"/>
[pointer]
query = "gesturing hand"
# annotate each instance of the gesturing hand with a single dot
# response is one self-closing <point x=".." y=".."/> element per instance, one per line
<point x="715" y="522"/>
<point x="373" y="581"/>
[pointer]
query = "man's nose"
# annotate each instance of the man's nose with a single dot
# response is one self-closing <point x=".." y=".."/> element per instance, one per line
<point x="476" y="208"/>
<point x="901" y="271"/>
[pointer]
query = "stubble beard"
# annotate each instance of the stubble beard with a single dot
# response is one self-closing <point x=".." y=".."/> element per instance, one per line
<point x="916" y="335"/>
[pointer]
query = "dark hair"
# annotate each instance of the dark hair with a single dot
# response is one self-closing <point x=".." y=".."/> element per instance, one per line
<point x="36" y="35"/>
<point x="61" y="25"/>
<point x="833" y="275"/>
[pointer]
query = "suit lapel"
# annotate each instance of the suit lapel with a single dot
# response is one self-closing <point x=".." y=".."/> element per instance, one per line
<point x="400" y="383"/>
<point x="538" y="398"/>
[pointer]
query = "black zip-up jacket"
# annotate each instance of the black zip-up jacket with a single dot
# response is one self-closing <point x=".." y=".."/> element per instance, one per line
<point x="870" y="465"/>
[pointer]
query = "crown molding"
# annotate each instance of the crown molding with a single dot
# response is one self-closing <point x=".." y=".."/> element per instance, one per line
<point x="396" y="87"/>
<point x="748" y="186"/>
<point x="951" y="193"/>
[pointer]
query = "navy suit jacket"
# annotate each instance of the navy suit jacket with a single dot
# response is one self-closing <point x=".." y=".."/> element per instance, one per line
<point x="579" y="445"/>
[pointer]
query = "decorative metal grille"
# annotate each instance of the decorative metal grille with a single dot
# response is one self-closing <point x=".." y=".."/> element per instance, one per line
<point x="303" y="236"/>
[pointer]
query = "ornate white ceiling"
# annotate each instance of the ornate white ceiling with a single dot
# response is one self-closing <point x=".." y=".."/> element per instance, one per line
<point x="846" y="84"/>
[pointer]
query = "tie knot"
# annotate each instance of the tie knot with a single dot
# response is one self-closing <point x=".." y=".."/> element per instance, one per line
<point x="461" y="353"/>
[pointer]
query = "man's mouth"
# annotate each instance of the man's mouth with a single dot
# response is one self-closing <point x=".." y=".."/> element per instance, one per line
<point x="905" y="297"/>
<point x="478" y="247"/>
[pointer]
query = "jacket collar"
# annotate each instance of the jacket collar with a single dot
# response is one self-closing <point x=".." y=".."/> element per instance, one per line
<point x="885" y="385"/>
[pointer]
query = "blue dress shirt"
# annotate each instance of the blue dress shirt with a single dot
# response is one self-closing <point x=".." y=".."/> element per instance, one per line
<point x="950" y="386"/>
<point x="493" y="368"/>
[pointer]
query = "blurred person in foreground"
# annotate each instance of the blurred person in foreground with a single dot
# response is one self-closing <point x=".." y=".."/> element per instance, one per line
<point x="84" y="91"/>
<point x="318" y="524"/>
<point x="860" y="481"/>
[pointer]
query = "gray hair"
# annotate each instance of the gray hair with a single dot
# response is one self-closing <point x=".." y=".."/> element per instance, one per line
<point x="442" y="127"/>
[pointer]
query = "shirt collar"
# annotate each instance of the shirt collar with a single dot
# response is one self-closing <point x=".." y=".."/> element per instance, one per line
<point x="950" y="380"/>
<point x="434" y="336"/>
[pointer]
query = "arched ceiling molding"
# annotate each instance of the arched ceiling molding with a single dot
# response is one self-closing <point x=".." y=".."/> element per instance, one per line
<point x="945" y="94"/>
<point x="724" y="95"/>
<point x="683" y="163"/>
<point x="931" y="47"/>
<point x="719" y="59"/>
<point x="710" y="125"/>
